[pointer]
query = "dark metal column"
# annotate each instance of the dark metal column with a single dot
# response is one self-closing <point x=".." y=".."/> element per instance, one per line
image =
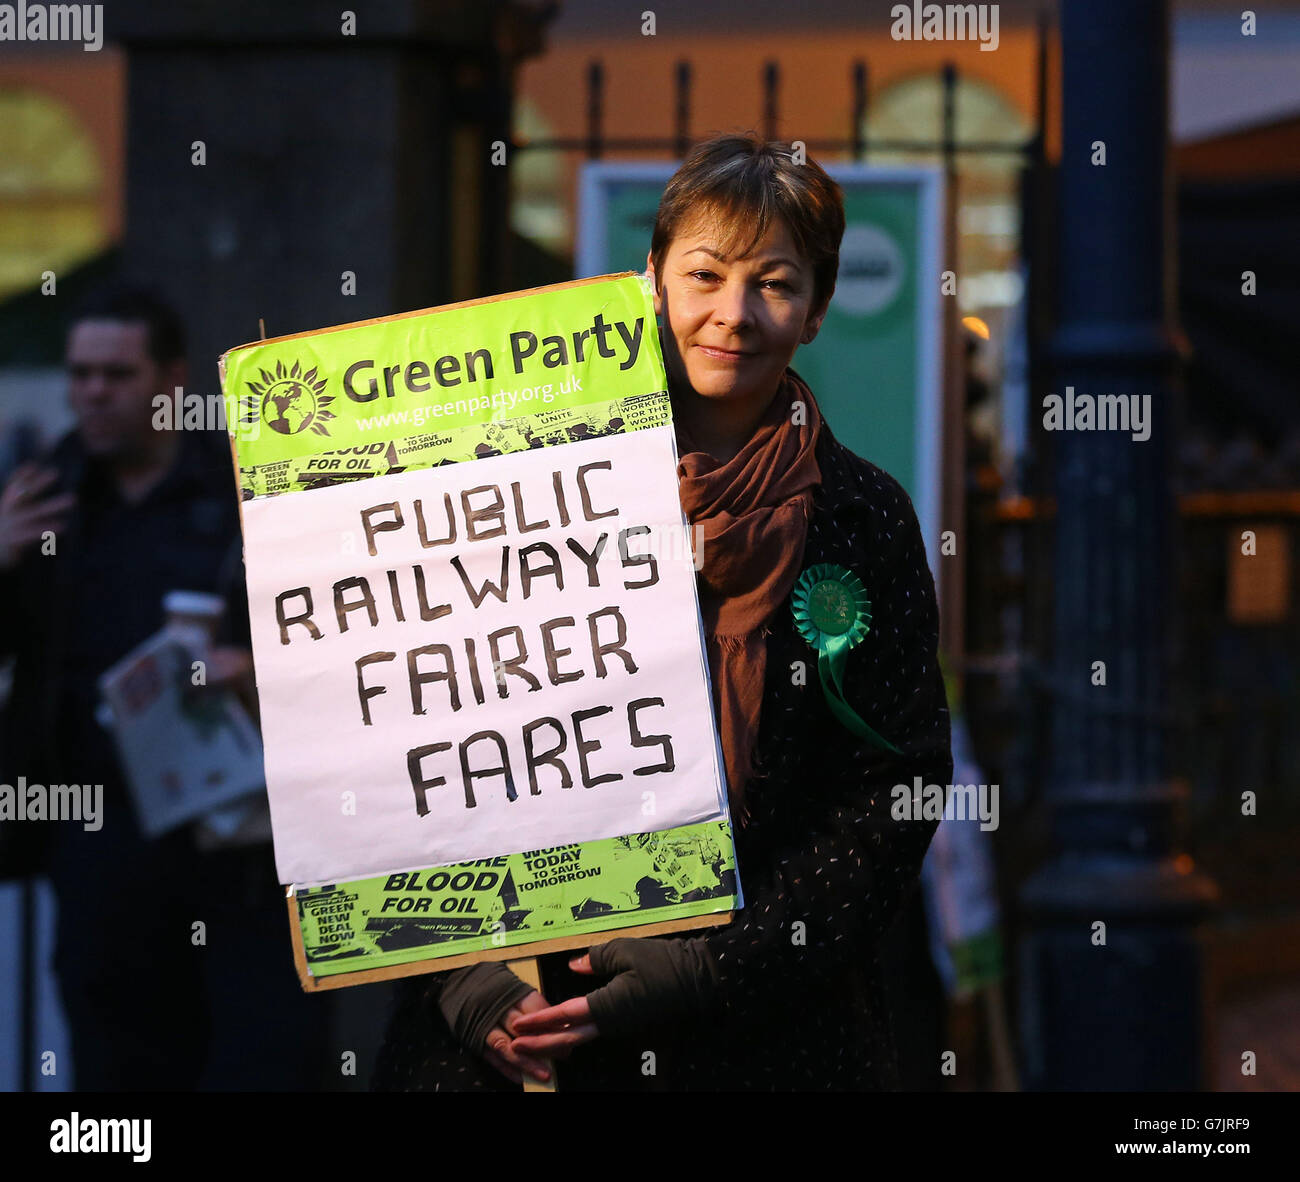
<point x="1125" y="1014"/>
<point x="325" y="149"/>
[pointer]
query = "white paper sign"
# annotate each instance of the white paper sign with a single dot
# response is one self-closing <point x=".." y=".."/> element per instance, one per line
<point x="416" y="635"/>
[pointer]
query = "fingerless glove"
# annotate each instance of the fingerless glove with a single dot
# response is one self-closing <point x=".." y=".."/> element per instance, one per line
<point x="658" y="981"/>
<point x="473" y="1001"/>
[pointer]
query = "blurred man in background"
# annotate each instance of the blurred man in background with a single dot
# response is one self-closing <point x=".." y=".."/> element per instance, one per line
<point x="92" y="537"/>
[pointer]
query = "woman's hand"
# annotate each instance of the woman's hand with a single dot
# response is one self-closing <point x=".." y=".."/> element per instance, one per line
<point x="553" y="1032"/>
<point x="654" y="982"/>
<point x="505" y="1058"/>
<point x="482" y="1006"/>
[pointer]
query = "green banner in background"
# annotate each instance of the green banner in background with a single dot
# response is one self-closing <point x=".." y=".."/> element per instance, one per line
<point x="864" y="366"/>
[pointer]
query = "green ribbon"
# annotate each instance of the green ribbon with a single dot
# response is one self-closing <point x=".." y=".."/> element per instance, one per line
<point x="833" y="614"/>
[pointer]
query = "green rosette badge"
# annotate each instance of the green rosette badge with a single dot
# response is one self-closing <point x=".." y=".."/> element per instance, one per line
<point x="833" y="615"/>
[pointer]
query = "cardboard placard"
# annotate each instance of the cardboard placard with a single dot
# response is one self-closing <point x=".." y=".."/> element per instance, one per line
<point x="485" y="705"/>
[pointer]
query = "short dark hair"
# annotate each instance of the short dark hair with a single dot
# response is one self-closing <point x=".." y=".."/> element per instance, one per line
<point x="136" y="303"/>
<point x="742" y="183"/>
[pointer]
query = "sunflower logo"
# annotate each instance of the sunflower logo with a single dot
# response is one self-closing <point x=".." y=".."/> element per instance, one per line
<point x="289" y="401"/>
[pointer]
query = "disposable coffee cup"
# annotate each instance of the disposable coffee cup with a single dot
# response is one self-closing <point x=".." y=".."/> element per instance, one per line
<point x="194" y="613"/>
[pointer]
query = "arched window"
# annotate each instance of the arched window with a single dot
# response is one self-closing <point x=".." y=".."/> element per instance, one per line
<point x="988" y="211"/>
<point x="537" y="208"/>
<point x="50" y="181"/>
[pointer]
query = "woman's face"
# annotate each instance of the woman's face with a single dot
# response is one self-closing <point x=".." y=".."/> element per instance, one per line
<point x="731" y="327"/>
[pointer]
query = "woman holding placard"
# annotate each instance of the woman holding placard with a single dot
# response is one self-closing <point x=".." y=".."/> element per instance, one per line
<point x="822" y="633"/>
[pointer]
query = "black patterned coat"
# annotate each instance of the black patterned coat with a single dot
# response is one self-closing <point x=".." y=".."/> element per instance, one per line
<point x="823" y="863"/>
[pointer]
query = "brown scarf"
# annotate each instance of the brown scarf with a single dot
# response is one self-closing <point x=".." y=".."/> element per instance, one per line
<point x="750" y="517"/>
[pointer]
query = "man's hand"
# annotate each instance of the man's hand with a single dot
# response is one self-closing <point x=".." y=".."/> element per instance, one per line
<point x="27" y="511"/>
<point x="231" y="668"/>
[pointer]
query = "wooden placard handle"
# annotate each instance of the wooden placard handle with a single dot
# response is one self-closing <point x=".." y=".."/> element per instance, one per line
<point x="529" y="971"/>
